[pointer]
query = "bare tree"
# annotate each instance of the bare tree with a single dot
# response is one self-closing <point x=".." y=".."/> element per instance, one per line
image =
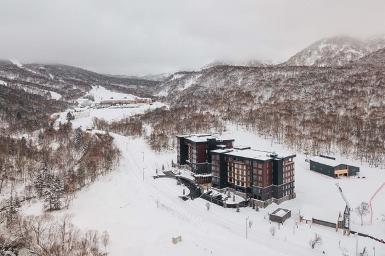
<point x="208" y="206"/>
<point x="105" y="239"/>
<point x="317" y="240"/>
<point x="362" y="210"/>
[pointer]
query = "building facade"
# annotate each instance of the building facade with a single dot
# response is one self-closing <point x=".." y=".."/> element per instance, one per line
<point x="194" y="151"/>
<point x="260" y="175"/>
<point x="331" y="167"/>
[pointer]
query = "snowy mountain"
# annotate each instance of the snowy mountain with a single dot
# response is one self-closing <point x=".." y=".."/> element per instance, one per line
<point x="335" y="51"/>
<point x="70" y="82"/>
<point x="248" y="63"/>
<point x="306" y="101"/>
<point x="376" y="58"/>
<point x="34" y="91"/>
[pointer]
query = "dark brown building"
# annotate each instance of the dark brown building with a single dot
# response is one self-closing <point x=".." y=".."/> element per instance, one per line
<point x="194" y="150"/>
<point x="261" y="175"/>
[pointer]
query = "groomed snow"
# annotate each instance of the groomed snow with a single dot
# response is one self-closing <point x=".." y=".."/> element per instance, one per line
<point x="85" y="113"/>
<point x="100" y="93"/>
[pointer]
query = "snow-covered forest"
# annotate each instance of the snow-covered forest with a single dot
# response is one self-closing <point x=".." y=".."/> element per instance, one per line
<point x="88" y="161"/>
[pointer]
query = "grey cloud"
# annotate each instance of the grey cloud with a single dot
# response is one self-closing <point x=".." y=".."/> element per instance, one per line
<point x="142" y="36"/>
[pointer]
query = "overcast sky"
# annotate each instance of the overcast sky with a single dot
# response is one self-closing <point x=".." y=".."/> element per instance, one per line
<point x="143" y="36"/>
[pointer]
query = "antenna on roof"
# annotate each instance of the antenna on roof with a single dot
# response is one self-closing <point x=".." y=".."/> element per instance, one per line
<point x="273" y="154"/>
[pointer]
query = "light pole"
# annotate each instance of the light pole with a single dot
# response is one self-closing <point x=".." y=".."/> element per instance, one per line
<point x="247" y="218"/>
<point x="143" y="173"/>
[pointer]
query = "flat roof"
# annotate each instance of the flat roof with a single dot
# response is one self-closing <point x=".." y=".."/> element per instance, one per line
<point x="247" y="152"/>
<point x="280" y="212"/>
<point x="328" y="161"/>
<point x="221" y="151"/>
<point x="203" y="137"/>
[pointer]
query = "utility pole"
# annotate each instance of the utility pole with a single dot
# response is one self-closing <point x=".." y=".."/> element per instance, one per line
<point x="356" y="244"/>
<point x="374" y="250"/>
<point x="247" y="218"/>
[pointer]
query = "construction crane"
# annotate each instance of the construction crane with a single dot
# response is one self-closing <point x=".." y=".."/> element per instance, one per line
<point x="348" y="209"/>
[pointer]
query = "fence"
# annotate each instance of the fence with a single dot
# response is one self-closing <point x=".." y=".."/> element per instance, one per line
<point x="333" y="225"/>
<point x="324" y="223"/>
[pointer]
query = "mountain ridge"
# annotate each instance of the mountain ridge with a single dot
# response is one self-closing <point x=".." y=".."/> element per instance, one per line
<point x="335" y="51"/>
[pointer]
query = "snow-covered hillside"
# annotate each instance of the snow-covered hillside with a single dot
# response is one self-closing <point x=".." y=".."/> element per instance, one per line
<point x="143" y="214"/>
<point x="335" y="51"/>
<point x="100" y="93"/>
<point x="85" y="114"/>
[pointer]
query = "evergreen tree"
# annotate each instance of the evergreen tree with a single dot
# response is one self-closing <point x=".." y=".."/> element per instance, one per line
<point x="78" y="138"/>
<point x="12" y="210"/>
<point x="41" y="181"/>
<point x="70" y="116"/>
<point x="18" y="115"/>
<point x="54" y="194"/>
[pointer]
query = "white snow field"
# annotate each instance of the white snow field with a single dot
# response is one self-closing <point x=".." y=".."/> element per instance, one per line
<point x="143" y="214"/>
<point x="84" y="115"/>
<point x="100" y="93"/>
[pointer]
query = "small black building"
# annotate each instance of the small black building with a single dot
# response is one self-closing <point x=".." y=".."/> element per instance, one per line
<point x="331" y="167"/>
<point x="280" y="215"/>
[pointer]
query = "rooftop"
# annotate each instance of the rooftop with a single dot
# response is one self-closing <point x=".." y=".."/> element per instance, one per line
<point x="203" y="137"/>
<point x="326" y="161"/>
<point x="280" y="212"/>
<point x="250" y="153"/>
<point x="247" y="152"/>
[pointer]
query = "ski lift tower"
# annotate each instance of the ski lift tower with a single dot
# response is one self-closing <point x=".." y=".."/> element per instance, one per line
<point x="348" y="209"/>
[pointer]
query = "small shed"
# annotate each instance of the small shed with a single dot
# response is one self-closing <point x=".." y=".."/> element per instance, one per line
<point x="280" y="215"/>
<point x="332" y="167"/>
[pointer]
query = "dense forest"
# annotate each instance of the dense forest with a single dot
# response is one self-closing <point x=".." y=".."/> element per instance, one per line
<point x="312" y="109"/>
<point x="51" y="165"/>
<point x="164" y="124"/>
